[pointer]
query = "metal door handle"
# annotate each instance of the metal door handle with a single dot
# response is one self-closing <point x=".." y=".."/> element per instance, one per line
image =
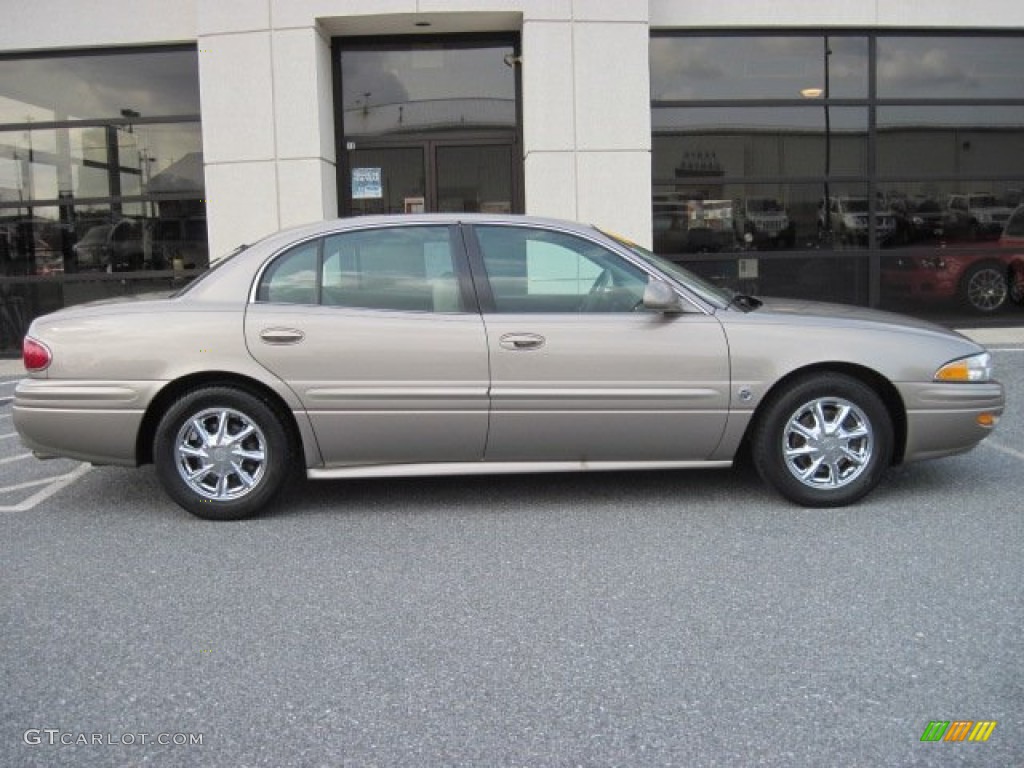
<point x="521" y="341"/>
<point x="282" y="335"/>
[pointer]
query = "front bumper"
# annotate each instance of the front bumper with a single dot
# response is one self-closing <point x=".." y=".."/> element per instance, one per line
<point x="943" y="419"/>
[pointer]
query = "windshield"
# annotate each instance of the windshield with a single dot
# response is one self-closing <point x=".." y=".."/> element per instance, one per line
<point x="856" y="205"/>
<point x="984" y="201"/>
<point x="712" y="294"/>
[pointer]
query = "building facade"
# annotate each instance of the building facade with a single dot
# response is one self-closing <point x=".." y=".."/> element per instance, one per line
<point x="870" y="153"/>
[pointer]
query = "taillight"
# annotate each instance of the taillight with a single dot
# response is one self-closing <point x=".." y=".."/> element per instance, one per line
<point x="35" y="355"/>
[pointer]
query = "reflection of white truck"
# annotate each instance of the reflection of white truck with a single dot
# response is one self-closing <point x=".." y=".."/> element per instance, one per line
<point x="847" y="218"/>
<point x="765" y="220"/>
<point x="977" y="215"/>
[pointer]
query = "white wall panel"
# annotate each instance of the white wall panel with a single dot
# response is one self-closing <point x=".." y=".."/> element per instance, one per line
<point x="547" y="75"/>
<point x="237" y="90"/>
<point x="55" y="24"/>
<point x="298" y="93"/>
<point x="609" y="10"/>
<point x="614" y="192"/>
<point x="551" y="184"/>
<point x="303" y="13"/>
<point x="613" y="102"/>
<point x="734" y="14"/>
<point x="241" y="204"/>
<point x="307" y="191"/>
<point x="231" y="16"/>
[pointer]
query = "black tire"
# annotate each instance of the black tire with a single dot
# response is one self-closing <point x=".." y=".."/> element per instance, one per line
<point x="853" y="452"/>
<point x="1017" y="286"/>
<point x="984" y="288"/>
<point x="243" y="474"/>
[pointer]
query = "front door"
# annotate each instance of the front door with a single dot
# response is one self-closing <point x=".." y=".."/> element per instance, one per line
<point x="579" y="370"/>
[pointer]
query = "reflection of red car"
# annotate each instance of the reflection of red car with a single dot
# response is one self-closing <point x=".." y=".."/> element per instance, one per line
<point x="983" y="276"/>
<point x="1013" y="238"/>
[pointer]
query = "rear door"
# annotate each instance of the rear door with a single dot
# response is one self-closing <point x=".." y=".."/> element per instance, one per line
<point x="378" y="334"/>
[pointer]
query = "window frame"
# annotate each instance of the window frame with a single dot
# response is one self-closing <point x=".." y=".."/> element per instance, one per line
<point x="459" y="264"/>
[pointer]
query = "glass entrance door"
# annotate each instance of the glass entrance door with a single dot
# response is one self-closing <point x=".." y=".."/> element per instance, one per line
<point x="474" y="179"/>
<point x="387" y="180"/>
<point x="432" y="176"/>
<point x="428" y="124"/>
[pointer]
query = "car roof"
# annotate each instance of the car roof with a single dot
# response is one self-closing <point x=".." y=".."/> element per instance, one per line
<point x="243" y="264"/>
<point x="351" y="223"/>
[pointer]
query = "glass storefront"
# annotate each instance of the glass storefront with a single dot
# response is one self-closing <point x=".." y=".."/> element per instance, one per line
<point x="101" y="179"/>
<point x="870" y="168"/>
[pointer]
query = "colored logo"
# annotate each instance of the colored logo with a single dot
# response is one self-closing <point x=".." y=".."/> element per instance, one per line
<point x="958" y="730"/>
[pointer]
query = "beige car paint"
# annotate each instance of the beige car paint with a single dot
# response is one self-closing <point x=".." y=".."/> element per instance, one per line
<point x="442" y="391"/>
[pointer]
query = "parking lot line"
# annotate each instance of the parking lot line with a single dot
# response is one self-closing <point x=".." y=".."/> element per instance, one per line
<point x="1004" y="449"/>
<point x="31" y="484"/>
<point x="55" y="485"/>
<point x="18" y="457"/>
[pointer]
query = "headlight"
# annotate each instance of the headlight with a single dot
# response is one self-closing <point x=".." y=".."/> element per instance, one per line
<point x="973" y="368"/>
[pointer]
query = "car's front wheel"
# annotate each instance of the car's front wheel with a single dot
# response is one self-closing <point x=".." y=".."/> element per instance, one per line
<point x="824" y="441"/>
<point x="222" y="453"/>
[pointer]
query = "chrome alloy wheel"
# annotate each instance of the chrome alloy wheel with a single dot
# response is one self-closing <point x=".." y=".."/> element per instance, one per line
<point x="221" y="454"/>
<point x="827" y="443"/>
<point x="986" y="289"/>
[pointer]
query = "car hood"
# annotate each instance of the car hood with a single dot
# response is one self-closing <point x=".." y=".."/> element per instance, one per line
<point x="824" y="313"/>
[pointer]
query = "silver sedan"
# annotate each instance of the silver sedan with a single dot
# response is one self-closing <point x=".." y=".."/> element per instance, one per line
<point x="464" y="344"/>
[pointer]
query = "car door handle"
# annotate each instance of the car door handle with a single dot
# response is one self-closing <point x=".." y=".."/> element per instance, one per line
<point x="521" y="341"/>
<point x="282" y="335"/>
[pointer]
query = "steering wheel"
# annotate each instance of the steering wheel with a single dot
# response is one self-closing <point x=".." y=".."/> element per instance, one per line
<point x="600" y="285"/>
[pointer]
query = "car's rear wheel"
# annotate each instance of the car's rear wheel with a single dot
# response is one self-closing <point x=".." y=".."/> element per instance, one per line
<point x="985" y="288"/>
<point x="823" y="441"/>
<point x="222" y="453"/>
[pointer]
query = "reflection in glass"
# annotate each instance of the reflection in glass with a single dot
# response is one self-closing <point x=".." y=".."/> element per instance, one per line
<point x="754" y="141"/>
<point x="950" y="67"/>
<point x="387" y="180"/>
<point x="54" y="240"/>
<point x="474" y="179"/>
<point x="935" y="203"/>
<point x="968" y="141"/>
<point x="763" y="67"/>
<point x="427" y="88"/>
<point x="700" y="218"/>
<point x="101" y="161"/>
<point x="99" y="86"/>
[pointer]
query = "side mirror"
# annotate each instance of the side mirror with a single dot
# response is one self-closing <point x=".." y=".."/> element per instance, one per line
<point x="659" y="296"/>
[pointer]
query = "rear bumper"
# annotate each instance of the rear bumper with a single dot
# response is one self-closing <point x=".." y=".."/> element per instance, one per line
<point x="943" y="419"/>
<point x="88" y="421"/>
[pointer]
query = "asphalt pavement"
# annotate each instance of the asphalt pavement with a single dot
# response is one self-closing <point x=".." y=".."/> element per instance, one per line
<point x="645" y="619"/>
